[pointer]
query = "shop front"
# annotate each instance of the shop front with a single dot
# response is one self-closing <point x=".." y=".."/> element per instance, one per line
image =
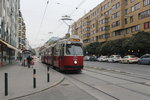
<point x="7" y="53"/>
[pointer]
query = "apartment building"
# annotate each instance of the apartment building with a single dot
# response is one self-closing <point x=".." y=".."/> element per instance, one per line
<point x="9" y="11"/>
<point x="21" y="33"/>
<point x="113" y="19"/>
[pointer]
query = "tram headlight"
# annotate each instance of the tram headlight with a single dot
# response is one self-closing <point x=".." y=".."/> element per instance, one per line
<point x="75" y="62"/>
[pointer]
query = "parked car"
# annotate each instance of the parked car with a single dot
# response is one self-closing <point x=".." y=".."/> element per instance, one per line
<point x="129" y="59"/>
<point x="114" y="58"/>
<point x="145" y="59"/>
<point x="102" y="58"/>
<point x="86" y="58"/>
<point x="93" y="58"/>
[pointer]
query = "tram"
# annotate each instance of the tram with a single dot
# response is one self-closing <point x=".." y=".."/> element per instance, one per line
<point x="65" y="54"/>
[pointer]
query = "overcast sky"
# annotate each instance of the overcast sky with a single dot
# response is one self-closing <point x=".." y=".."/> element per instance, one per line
<point x="33" y="12"/>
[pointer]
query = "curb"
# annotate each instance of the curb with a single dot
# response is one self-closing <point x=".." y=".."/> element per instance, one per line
<point x="38" y="91"/>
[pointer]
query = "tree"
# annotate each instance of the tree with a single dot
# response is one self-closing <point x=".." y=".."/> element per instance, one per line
<point x="139" y="43"/>
<point x="92" y="48"/>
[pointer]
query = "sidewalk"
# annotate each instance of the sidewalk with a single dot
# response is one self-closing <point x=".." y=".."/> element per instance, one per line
<point x="20" y="80"/>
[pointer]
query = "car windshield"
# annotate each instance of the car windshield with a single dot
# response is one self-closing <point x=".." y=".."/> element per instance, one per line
<point x="132" y="56"/>
<point x="74" y="49"/>
<point x="118" y="56"/>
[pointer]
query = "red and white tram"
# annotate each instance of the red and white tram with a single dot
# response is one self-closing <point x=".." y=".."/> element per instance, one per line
<point x="65" y="54"/>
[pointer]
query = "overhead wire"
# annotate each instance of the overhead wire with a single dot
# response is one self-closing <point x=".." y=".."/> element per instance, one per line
<point x="59" y="26"/>
<point x="80" y="4"/>
<point x="40" y="26"/>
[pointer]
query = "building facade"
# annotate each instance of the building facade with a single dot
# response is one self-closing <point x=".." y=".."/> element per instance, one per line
<point x="9" y="13"/>
<point x="113" y="19"/>
<point x="21" y="33"/>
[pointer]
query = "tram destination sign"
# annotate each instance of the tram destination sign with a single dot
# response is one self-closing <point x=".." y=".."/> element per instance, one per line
<point x="74" y="40"/>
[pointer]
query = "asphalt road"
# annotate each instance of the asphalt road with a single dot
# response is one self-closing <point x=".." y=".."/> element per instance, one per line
<point x="131" y="68"/>
<point x="101" y="81"/>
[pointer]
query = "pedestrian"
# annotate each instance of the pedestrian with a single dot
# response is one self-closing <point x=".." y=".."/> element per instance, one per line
<point x="29" y="59"/>
<point x="20" y="58"/>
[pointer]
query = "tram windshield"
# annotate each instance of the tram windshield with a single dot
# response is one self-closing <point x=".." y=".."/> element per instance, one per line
<point x="74" y="49"/>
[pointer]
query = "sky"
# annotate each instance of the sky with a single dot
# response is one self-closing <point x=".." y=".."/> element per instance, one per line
<point x="43" y="24"/>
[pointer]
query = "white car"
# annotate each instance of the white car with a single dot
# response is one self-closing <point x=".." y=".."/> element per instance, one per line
<point x="129" y="59"/>
<point x="86" y="58"/>
<point x="102" y="58"/>
<point x="114" y="58"/>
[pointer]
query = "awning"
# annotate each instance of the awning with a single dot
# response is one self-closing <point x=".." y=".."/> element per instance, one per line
<point x="8" y="45"/>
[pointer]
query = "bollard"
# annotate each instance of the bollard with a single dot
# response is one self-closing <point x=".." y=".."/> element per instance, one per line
<point x="6" y="83"/>
<point x="48" y="76"/>
<point x="34" y="78"/>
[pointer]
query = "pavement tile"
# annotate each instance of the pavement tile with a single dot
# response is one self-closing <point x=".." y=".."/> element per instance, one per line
<point x="20" y="80"/>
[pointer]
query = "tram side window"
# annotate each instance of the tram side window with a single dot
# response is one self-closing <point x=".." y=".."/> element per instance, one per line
<point x="62" y="50"/>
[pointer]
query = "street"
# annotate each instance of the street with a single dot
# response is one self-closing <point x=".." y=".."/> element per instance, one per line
<point x="98" y="82"/>
<point x="131" y="68"/>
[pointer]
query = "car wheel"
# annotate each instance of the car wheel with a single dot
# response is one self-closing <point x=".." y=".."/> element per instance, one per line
<point x="128" y="62"/>
<point x="139" y="62"/>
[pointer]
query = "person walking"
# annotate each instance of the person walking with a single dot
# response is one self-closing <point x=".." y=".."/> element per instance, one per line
<point x="29" y="59"/>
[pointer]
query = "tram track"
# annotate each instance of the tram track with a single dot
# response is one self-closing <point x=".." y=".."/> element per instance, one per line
<point x="120" y="72"/>
<point x="130" y="75"/>
<point x="107" y="94"/>
<point x="120" y="85"/>
<point x="145" y="94"/>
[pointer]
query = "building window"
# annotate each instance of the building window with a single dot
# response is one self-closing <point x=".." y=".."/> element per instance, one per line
<point x="126" y="11"/>
<point x="146" y="2"/>
<point x="135" y="28"/>
<point x="126" y="21"/>
<point x="117" y="23"/>
<point x="135" y="7"/>
<point x="147" y="25"/>
<point x="144" y="14"/>
<point x="113" y="0"/>
<point x="117" y="5"/>
<point x="105" y="28"/>
<point x="115" y="15"/>
<point x="131" y="19"/>
<point x="106" y="20"/>
<point x="132" y="1"/>
<point x="126" y="2"/>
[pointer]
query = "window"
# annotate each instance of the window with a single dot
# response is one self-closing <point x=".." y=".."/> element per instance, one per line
<point x="146" y="2"/>
<point x="126" y="21"/>
<point x="135" y="28"/>
<point x="115" y="15"/>
<point x="135" y="7"/>
<point x="126" y="11"/>
<point x="131" y="19"/>
<point x="144" y="14"/>
<point x="104" y="36"/>
<point x="126" y="2"/>
<point x="147" y="25"/>
<point x="105" y="28"/>
<point x="117" y="5"/>
<point x="117" y="23"/>
<point x="74" y="49"/>
<point x="132" y="1"/>
<point x="113" y="0"/>
<point x="106" y="20"/>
